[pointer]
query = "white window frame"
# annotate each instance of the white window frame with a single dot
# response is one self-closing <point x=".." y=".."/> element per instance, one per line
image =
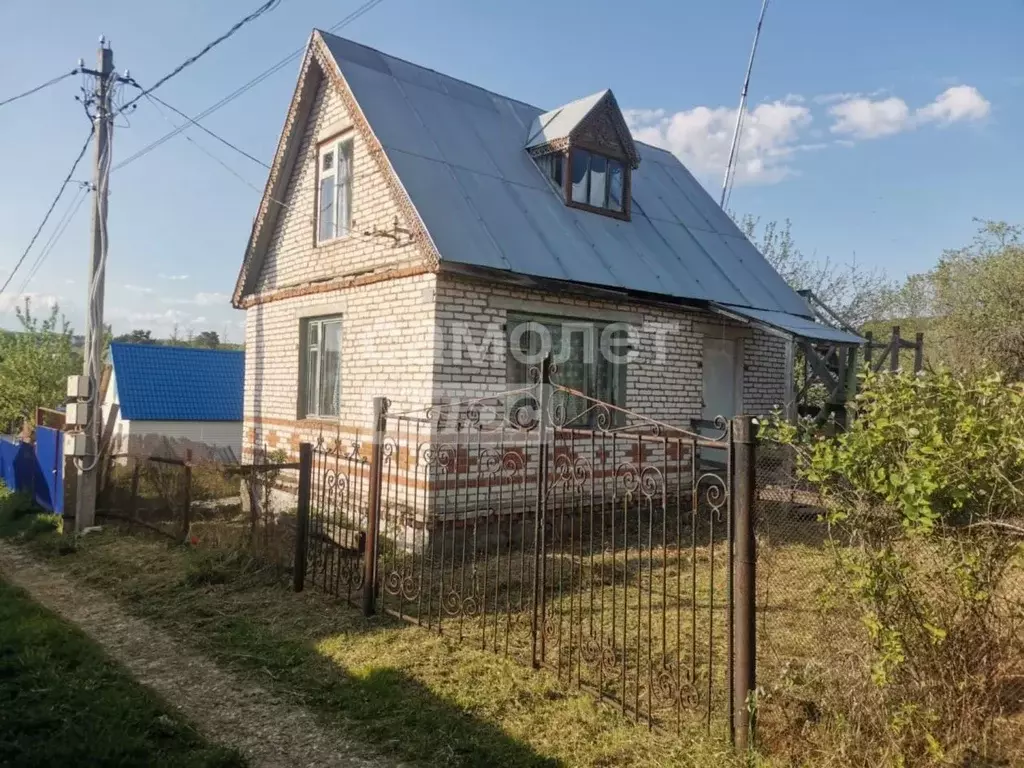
<point x="307" y="409"/>
<point x="341" y="200"/>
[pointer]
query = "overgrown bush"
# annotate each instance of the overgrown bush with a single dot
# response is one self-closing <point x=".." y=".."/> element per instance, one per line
<point x="924" y="498"/>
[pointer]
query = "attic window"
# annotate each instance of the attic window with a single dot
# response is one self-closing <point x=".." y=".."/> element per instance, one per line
<point x="334" y="203"/>
<point x="553" y="166"/>
<point x="598" y="182"/>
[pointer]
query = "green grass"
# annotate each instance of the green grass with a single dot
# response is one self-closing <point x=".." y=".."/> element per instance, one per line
<point x="62" y="702"/>
<point x="411" y="694"/>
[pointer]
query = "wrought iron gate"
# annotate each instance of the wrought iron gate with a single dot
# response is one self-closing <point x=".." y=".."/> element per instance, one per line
<point x="556" y="529"/>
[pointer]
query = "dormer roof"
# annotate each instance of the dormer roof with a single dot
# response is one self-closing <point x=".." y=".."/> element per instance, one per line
<point x="557" y="129"/>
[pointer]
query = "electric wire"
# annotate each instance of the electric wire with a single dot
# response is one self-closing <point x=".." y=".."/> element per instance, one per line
<point x="210" y="155"/>
<point x="203" y="128"/>
<point x="267" y="6"/>
<point x="38" y="88"/>
<point x="49" y="211"/>
<point x="58" y="231"/>
<point x="366" y="7"/>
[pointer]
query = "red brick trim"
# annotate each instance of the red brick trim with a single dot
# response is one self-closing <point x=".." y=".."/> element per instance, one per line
<point x="337" y="284"/>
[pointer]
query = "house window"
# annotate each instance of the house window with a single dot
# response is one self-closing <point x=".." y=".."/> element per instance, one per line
<point x="590" y="359"/>
<point x="321" y="368"/>
<point x="334" y="197"/>
<point x="597" y="181"/>
<point x="552" y="165"/>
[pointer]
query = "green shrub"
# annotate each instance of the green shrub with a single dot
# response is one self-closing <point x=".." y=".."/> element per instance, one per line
<point x="924" y="497"/>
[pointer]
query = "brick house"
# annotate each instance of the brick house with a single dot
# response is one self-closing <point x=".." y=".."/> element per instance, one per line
<point x="415" y="228"/>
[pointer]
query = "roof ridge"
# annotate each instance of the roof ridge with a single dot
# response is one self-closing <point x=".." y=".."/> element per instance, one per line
<point x="436" y="72"/>
<point x="158" y="345"/>
<point x="480" y="87"/>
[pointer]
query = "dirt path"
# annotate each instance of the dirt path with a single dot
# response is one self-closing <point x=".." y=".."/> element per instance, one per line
<point x="225" y="708"/>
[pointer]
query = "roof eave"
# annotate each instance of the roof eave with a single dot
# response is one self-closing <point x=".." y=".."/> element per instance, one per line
<point x="280" y="171"/>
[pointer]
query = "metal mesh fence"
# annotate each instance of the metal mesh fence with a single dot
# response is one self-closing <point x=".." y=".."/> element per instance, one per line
<point x="196" y="498"/>
<point x="813" y="653"/>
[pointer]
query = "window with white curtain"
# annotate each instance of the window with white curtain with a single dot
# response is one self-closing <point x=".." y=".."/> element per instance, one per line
<point x="321" y="368"/>
<point x="584" y="363"/>
<point x="334" y="195"/>
<point x="597" y="181"/>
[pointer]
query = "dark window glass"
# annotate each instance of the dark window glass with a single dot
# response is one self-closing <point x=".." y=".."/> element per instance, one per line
<point x="597" y="180"/>
<point x="615" y="185"/>
<point x="580" y="175"/>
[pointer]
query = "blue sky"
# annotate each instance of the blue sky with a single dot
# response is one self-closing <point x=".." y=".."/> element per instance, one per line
<point x="879" y="128"/>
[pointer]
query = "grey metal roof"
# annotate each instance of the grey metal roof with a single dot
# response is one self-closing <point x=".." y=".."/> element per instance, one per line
<point x="459" y="152"/>
<point x="804" y="327"/>
<point x="559" y="122"/>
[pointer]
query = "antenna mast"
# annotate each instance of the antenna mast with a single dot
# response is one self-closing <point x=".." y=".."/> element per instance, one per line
<point x="730" y="166"/>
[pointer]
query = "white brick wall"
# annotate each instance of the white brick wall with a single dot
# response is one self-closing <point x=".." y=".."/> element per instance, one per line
<point x="667" y="386"/>
<point x="293" y="258"/>
<point x="398" y="326"/>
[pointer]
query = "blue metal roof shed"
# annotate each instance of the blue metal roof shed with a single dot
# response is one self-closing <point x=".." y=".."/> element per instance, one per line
<point x="157" y="383"/>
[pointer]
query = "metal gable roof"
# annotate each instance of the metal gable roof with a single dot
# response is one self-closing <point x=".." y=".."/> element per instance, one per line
<point x="458" y="150"/>
<point x="560" y="122"/>
<point x="804" y="327"/>
<point x="157" y="383"/>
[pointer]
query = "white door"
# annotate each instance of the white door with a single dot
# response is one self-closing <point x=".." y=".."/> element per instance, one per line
<point x="722" y="386"/>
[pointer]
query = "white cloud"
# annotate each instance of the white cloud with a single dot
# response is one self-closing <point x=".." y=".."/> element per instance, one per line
<point x="137" y="288"/>
<point x="9" y="302"/>
<point x="211" y="299"/>
<point x="701" y="137"/>
<point x="775" y="132"/>
<point x="961" y="102"/>
<point x="201" y="299"/>
<point x="162" y="276"/>
<point x="864" y="117"/>
<point x="166" y="318"/>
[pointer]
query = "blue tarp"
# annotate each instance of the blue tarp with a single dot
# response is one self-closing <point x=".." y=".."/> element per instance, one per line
<point x="37" y="470"/>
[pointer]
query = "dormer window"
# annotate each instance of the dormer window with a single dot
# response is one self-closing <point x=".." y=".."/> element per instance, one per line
<point x="585" y="150"/>
<point x="597" y="181"/>
<point x="553" y="166"/>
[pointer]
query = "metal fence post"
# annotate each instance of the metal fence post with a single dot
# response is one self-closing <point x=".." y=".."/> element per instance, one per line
<point x="744" y="433"/>
<point x="186" y="519"/>
<point x="302" y="516"/>
<point x="540" y="520"/>
<point x="380" y="409"/>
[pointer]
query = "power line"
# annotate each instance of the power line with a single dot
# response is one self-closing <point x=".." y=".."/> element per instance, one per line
<point x="267" y="6"/>
<point x="46" y="218"/>
<point x="202" y="127"/>
<point x="207" y="152"/>
<point x="55" y="236"/>
<point x="366" y="7"/>
<point x="47" y="84"/>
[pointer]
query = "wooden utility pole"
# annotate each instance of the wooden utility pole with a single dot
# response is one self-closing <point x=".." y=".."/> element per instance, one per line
<point x="88" y="469"/>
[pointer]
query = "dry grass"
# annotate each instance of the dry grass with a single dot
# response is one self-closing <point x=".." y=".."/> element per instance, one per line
<point x="422" y="697"/>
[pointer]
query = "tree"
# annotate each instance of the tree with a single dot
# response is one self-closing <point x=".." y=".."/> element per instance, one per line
<point x="922" y="498"/>
<point x="35" y="363"/>
<point x="137" y="336"/>
<point x="856" y="294"/>
<point x="206" y="340"/>
<point x="978" y="301"/>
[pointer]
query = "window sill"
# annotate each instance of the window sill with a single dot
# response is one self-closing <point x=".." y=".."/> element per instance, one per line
<point x="621" y="215"/>
<point x="316" y="421"/>
<point x="333" y="240"/>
